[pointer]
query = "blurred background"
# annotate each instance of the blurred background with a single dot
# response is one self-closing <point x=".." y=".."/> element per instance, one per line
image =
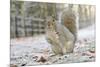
<point x="27" y="18"/>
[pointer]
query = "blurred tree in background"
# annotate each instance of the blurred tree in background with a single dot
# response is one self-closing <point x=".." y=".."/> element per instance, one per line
<point x="28" y="18"/>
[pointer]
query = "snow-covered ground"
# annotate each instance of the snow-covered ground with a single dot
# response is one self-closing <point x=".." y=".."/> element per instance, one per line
<point x="36" y="50"/>
<point x="88" y="32"/>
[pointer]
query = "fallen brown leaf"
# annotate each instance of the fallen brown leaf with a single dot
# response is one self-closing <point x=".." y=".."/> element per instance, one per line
<point x="42" y="59"/>
<point x="12" y="65"/>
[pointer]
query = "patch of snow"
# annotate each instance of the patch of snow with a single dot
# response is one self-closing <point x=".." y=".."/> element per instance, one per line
<point x="88" y="32"/>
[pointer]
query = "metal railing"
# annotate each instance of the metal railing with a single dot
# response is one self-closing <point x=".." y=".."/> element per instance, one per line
<point x="26" y="26"/>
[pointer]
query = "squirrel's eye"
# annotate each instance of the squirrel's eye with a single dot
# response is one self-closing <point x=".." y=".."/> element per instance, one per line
<point x="53" y="20"/>
<point x="48" y="24"/>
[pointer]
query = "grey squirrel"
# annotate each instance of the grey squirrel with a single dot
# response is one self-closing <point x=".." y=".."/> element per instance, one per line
<point x="62" y="36"/>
